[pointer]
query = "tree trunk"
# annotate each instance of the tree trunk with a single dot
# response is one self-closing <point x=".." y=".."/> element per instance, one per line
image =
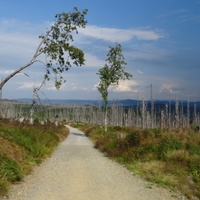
<point x="106" y="119"/>
<point x="106" y="111"/>
<point x="14" y="73"/>
<point x="37" y="53"/>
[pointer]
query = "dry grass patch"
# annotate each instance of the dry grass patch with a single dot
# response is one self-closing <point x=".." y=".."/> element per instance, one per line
<point x="154" y="171"/>
<point x="22" y="146"/>
<point x="11" y="150"/>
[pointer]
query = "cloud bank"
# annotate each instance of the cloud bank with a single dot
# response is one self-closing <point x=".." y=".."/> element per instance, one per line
<point x="121" y="35"/>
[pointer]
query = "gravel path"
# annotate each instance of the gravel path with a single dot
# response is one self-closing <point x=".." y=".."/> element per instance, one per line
<point x="78" y="171"/>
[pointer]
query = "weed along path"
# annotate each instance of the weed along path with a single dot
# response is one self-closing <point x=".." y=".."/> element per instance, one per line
<point x="77" y="171"/>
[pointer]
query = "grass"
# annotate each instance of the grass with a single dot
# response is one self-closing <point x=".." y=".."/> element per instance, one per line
<point x="22" y="146"/>
<point x="168" y="158"/>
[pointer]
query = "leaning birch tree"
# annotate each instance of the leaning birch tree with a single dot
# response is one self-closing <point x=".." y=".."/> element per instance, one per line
<point x="111" y="74"/>
<point x="56" y="45"/>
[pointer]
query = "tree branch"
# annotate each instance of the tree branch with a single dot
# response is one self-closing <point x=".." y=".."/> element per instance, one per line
<point x="14" y="73"/>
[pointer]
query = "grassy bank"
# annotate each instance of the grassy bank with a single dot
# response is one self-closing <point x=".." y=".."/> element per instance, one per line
<point x="22" y="146"/>
<point x="169" y="158"/>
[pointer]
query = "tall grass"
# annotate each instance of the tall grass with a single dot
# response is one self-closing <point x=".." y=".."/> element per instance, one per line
<point x="169" y="158"/>
<point x="22" y="146"/>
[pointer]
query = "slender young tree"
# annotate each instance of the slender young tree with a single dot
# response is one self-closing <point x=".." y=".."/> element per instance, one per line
<point x="55" y="45"/>
<point x="111" y="74"/>
<point x="152" y="107"/>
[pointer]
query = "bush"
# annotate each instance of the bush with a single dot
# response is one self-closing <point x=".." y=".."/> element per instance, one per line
<point x="133" y="139"/>
<point x="193" y="148"/>
<point x="149" y="151"/>
<point x="169" y="143"/>
<point x="152" y="133"/>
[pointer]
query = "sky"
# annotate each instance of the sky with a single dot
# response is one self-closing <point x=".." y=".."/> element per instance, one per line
<point x="160" y="42"/>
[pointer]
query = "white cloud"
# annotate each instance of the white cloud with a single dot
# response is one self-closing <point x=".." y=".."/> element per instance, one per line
<point x="182" y="15"/>
<point x="93" y="61"/>
<point x="172" y="89"/>
<point x="148" y="52"/>
<point x="17" y="44"/>
<point x="124" y="86"/>
<point x="28" y="85"/>
<point x="121" y="35"/>
<point x="6" y="72"/>
<point x="75" y="87"/>
<point x="53" y="88"/>
<point x="95" y="87"/>
<point x="13" y="25"/>
<point x="173" y="13"/>
<point x="19" y="40"/>
<point x="140" y="72"/>
<point x="67" y="87"/>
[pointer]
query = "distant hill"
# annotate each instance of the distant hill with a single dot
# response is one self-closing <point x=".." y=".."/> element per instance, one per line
<point x="124" y="102"/>
<point x="62" y="101"/>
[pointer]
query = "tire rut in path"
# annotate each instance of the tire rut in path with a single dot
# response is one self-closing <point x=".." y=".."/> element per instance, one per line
<point x="77" y="171"/>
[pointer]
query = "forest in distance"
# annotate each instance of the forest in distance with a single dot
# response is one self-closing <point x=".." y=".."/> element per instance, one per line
<point x="158" y="104"/>
<point x="142" y="114"/>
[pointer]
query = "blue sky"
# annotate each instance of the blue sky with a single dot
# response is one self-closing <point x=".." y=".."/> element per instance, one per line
<point x="160" y="41"/>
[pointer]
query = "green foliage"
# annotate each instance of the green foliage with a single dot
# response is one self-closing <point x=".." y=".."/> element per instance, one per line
<point x="193" y="148"/>
<point x="60" y="54"/>
<point x="169" y="144"/>
<point x="56" y="44"/>
<point x="195" y="169"/>
<point x="111" y="74"/>
<point x="113" y="71"/>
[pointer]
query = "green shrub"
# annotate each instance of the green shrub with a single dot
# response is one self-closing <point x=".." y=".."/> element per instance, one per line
<point x="133" y="139"/>
<point x="152" y="133"/>
<point x="111" y="148"/>
<point x="149" y="151"/>
<point x="193" y="148"/>
<point x="169" y="143"/>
